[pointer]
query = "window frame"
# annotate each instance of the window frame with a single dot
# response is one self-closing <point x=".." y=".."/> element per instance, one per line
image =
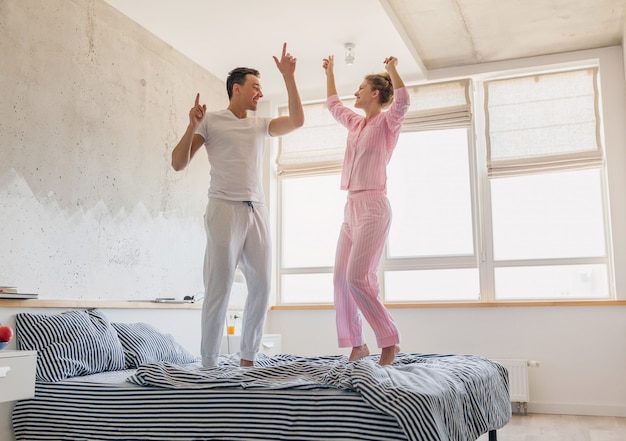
<point x="483" y="257"/>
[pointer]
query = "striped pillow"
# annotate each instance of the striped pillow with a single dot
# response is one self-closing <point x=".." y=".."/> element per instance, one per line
<point x="145" y="344"/>
<point x="70" y="344"/>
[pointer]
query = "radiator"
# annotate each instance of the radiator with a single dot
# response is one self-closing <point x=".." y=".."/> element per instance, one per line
<point x="518" y="382"/>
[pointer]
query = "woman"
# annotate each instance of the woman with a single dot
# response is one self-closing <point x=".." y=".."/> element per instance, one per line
<point x="367" y="215"/>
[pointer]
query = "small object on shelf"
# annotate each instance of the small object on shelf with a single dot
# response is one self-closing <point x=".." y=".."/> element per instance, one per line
<point x="171" y="300"/>
<point x="6" y="335"/>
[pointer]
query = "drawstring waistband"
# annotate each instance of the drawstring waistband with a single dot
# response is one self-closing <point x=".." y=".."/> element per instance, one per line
<point x="249" y="203"/>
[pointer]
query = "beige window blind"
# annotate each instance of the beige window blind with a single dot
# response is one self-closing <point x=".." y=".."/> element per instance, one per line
<point x="316" y="148"/>
<point x="439" y="106"/>
<point x="319" y="146"/>
<point x="542" y="123"/>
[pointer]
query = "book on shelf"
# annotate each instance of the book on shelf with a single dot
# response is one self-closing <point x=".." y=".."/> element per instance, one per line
<point x="11" y="292"/>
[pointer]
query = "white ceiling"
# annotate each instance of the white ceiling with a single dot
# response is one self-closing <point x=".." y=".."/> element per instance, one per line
<point x="423" y="34"/>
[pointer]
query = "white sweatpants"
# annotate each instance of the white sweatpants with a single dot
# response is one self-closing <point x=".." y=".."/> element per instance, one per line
<point x="367" y="218"/>
<point x="237" y="234"/>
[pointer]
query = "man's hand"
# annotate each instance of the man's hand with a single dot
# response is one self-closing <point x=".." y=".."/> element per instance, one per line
<point x="197" y="112"/>
<point x="287" y="64"/>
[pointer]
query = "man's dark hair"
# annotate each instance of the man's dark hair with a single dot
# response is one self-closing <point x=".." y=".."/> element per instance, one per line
<point x="238" y="76"/>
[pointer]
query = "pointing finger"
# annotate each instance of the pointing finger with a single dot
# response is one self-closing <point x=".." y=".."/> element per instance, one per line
<point x="197" y="99"/>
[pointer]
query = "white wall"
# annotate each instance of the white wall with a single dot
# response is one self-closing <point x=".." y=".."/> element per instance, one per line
<point x="623" y="47"/>
<point x="581" y="350"/>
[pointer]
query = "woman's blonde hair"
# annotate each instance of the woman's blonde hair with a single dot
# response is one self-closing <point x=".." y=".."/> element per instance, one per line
<point x="382" y="83"/>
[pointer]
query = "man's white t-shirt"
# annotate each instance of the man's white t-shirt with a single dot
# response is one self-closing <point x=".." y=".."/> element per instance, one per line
<point x="235" y="148"/>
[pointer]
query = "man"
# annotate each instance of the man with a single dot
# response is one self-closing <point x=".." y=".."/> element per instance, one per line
<point x="236" y="218"/>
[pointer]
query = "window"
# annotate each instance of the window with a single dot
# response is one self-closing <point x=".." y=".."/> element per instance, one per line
<point x="512" y="210"/>
<point x="309" y="223"/>
<point x="429" y="190"/>
<point x="548" y="203"/>
<point x="430" y="249"/>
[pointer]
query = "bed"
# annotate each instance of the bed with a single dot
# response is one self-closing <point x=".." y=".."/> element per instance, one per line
<point x="158" y="392"/>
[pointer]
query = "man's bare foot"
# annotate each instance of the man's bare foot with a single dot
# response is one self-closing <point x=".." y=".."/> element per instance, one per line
<point x="388" y="354"/>
<point x="359" y="352"/>
<point x="246" y="363"/>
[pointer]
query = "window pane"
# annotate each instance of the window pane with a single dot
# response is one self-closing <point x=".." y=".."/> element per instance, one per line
<point x="312" y="212"/>
<point x="552" y="282"/>
<point x="306" y="288"/>
<point x="550" y="215"/>
<point x="432" y="285"/>
<point x="429" y="191"/>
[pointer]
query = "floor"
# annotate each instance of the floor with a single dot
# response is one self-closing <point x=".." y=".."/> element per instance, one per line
<point x="535" y="427"/>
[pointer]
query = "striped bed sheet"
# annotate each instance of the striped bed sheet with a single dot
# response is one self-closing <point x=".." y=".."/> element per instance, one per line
<point x="421" y="397"/>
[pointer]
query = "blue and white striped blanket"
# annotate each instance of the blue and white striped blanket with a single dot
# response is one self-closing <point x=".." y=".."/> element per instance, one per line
<point x="432" y="397"/>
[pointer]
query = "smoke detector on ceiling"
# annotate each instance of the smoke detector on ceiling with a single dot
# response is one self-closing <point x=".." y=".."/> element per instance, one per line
<point x="349" y="56"/>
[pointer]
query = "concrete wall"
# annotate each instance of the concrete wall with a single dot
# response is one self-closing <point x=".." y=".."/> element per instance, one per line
<point x="92" y="106"/>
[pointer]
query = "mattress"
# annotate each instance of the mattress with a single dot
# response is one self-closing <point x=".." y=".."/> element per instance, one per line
<point x="421" y="397"/>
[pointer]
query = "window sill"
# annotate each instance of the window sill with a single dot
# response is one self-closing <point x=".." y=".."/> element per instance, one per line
<point x="500" y="304"/>
<point x="85" y="304"/>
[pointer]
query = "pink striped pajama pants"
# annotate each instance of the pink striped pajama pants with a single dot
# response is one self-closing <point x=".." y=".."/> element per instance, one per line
<point x="367" y="218"/>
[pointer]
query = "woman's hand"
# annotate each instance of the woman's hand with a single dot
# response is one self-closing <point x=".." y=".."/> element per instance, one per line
<point x="390" y="62"/>
<point x="329" y="64"/>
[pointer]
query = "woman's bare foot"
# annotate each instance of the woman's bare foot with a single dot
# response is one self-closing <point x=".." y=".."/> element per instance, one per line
<point x="359" y="352"/>
<point x="246" y="363"/>
<point x="388" y="354"/>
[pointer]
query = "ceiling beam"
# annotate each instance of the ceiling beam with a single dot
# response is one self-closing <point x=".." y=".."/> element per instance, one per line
<point x="393" y="17"/>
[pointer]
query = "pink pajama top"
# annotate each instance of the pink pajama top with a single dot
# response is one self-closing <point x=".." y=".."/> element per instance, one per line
<point x="370" y="145"/>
